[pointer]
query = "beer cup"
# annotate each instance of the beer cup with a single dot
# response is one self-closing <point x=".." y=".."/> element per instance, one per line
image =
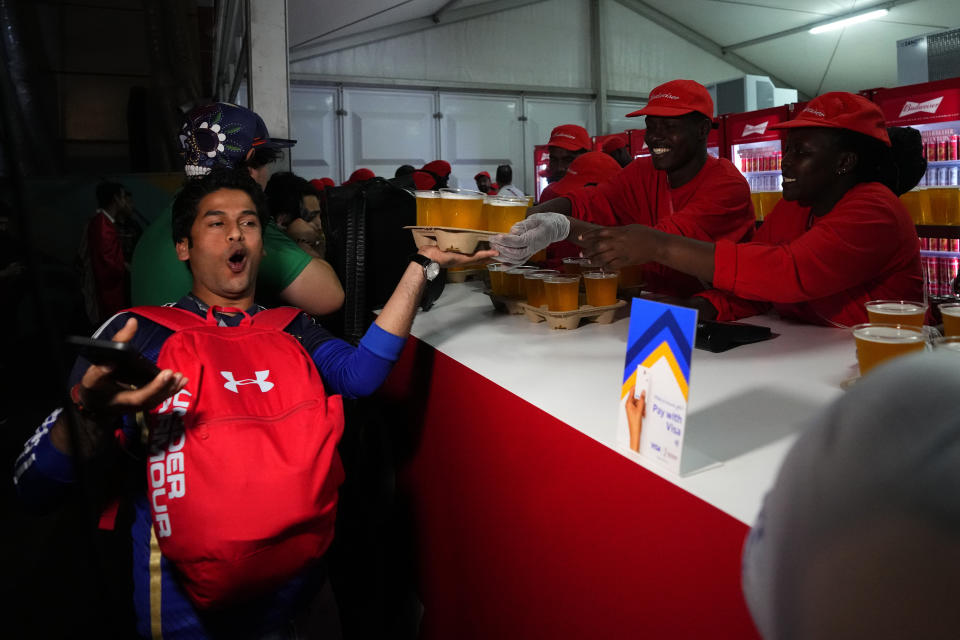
<point x="896" y="312"/>
<point x="495" y="271"/>
<point x="877" y="343"/>
<point x="601" y="288"/>
<point x="513" y="281"/>
<point x="575" y="266"/>
<point x="562" y="292"/>
<point x="428" y="209"/>
<point x="462" y="209"/>
<point x="950" y="313"/>
<point x="533" y="286"/>
<point x="503" y="212"/>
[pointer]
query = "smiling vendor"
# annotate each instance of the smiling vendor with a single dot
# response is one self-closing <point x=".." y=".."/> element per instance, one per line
<point x="840" y="236"/>
<point x="679" y="189"/>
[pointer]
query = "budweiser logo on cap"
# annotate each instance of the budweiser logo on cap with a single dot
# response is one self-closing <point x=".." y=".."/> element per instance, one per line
<point x="815" y="112"/>
<point x="930" y="106"/>
<point x="751" y="129"/>
<point x="564" y="135"/>
<point x="667" y="96"/>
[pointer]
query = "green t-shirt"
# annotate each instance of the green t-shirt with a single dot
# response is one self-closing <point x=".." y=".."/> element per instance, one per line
<point x="158" y="276"/>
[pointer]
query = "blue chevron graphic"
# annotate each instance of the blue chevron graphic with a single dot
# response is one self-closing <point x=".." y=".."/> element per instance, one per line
<point x="667" y="325"/>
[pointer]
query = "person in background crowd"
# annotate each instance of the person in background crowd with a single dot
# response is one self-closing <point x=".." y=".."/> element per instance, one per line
<point x="839" y="238"/>
<point x="360" y="175"/>
<point x="679" y="190"/>
<point x="483" y="182"/>
<point x="617" y="149"/>
<point x="228" y="135"/>
<point x="295" y="207"/>
<point x="106" y="250"/>
<point x="587" y="170"/>
<point x="403" y="170"/>
<point x="214" y="216"/>
<point x="433" y="175"/>
<point x="859" y="537"/>
<point x="505" y="182"/>
<point x="567" y="141"/>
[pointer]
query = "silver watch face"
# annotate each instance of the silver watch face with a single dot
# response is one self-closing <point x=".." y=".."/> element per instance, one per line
<point x="432" y="270"/>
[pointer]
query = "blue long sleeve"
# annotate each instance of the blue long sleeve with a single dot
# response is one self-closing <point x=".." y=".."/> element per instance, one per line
<point x="356" y="372"/>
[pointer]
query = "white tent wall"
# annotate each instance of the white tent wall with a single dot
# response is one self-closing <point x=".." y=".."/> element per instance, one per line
<point x="529" y="69"/>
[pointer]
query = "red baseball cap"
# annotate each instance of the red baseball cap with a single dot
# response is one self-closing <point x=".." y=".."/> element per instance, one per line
<point x="571" y="137"/>
<point x="318" y="184"/>
<point x="677" y="98"/>
<point x="482" y="173"/>
<point x="360" y="175"/>
<point x="423" y="181"/>
<point x="439" y="167"/>
<point x="592" y="167"/>
<point x="841" y="110"/>
<point x="613" y="144"/>
<point x="328" y="181"/>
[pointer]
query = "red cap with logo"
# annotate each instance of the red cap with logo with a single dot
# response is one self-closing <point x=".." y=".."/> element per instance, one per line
<point x="439" y="167"/>
<point x="318" y="184"/>
<point x="612" y="144"/>
<point x="481" y="174"/>
<point x="677" y="98"/>
<point x="593" y="167"/>
<point x="841" y="110"/>
<point x="571" y="137"/>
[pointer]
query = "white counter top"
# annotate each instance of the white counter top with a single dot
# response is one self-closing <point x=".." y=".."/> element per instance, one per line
<point x="746" y="405"/>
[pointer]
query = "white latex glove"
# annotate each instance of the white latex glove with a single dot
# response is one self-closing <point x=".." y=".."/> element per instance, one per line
<point x="531" y="235"/>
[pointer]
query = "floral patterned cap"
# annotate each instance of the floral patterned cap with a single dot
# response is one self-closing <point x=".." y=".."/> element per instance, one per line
<point x="220" y="135"/>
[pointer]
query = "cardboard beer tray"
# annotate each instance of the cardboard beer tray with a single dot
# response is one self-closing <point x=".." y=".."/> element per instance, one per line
<point x="513" y="306"/>
<point x="463" y="275"/>
<point x="450" y="239"/>
<point x="571" y="319"/>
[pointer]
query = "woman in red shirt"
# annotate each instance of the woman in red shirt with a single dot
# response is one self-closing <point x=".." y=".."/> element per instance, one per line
<point x="839" y="237"/>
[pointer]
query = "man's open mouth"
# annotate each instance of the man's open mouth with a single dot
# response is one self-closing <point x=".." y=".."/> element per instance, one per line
<point x="237" y="260"/>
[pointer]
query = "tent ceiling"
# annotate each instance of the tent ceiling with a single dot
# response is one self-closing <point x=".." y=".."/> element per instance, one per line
<point x="859" y="57"/>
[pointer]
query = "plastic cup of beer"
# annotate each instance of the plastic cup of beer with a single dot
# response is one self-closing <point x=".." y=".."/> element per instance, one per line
<point x="947" y="343"/>
<point x="504" y="212"/>
<point x="575" y="266"/>
<point x="462" y="209"/>
<point x="896" y="312"/>
<point x="495" y="271"/>
<point x="428" y="208"/>
<point x="601" y="288"/>
<point x="877" y="343"/>
<point x="950" y="313"/>
<point x="513" y="281"/>
<point x="562" y="292"/>
<point x="533" y="286"/>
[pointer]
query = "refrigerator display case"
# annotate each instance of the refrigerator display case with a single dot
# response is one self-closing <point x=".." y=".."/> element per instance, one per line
<point x="754" y="148"/>
<point x="541" y="159"/>
<point x="638" y="148"/>
<point x="715" y="146"/>
<point x="933" y="108"/>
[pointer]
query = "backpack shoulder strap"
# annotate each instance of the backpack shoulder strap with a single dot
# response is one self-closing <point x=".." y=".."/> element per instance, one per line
<point x="277" y="318"/>
<point x="169" y="317"/>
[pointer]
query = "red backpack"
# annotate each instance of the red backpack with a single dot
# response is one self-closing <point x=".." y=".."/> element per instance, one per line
<point x="243" y="470"/>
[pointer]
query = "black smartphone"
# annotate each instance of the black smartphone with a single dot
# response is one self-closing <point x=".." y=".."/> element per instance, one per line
<point x="721" y="336"/>
<point x="130" y="366"/>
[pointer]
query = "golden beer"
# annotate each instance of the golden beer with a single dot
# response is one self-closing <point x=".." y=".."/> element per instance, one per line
<point x="562" y="292"/>
<point x="896" y="312"/>
<point x="533" y="287"/>
<point x="513" y="281"/>
<point x="503" y="213"/>
<point x="495" y="271"/>
<point x="601" y="288"/>
<point x="950" y="313"/>
<point x="461" y="209"/>
<point x="575" y="266"/>
<point x="428" y="209"/>
<point x="877" y="343"/>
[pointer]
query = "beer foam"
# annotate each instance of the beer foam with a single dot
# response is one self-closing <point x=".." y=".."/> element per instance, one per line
<point x="427" y="194"/>
<point x="953" y="312"/>
<point x="461" y="196"/>
<point x="507" y="203"/>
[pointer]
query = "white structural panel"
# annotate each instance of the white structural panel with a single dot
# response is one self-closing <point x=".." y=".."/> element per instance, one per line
<point x="383" y="129"/>
<point x="540" y="45"/>
<point x="313" y="124"/>
<point x="617" y="119"/>
<point x="479" y="132"/>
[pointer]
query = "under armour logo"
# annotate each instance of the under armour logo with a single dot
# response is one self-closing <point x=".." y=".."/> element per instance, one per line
<point x="930" y="106"/>
<point x="751" y="129"/>
<point x="261" y="381"/>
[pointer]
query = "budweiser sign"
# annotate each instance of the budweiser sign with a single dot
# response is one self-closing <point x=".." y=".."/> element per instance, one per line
<point x="751" y="129"/>
<point x="930" y="106"/>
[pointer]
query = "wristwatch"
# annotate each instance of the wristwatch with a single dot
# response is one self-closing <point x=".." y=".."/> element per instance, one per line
<point x="435" y="284"/>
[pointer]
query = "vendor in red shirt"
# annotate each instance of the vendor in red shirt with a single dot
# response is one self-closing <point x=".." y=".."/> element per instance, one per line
<point x="679" y="190"/>
<point x="840" y="236"/>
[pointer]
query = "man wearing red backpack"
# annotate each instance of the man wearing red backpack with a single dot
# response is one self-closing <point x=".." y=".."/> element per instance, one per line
<point x="238" y="473"/>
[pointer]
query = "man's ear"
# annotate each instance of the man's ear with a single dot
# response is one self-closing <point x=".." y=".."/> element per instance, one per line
<point x="847" y="162"/>
<point x="183" y="249"/>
